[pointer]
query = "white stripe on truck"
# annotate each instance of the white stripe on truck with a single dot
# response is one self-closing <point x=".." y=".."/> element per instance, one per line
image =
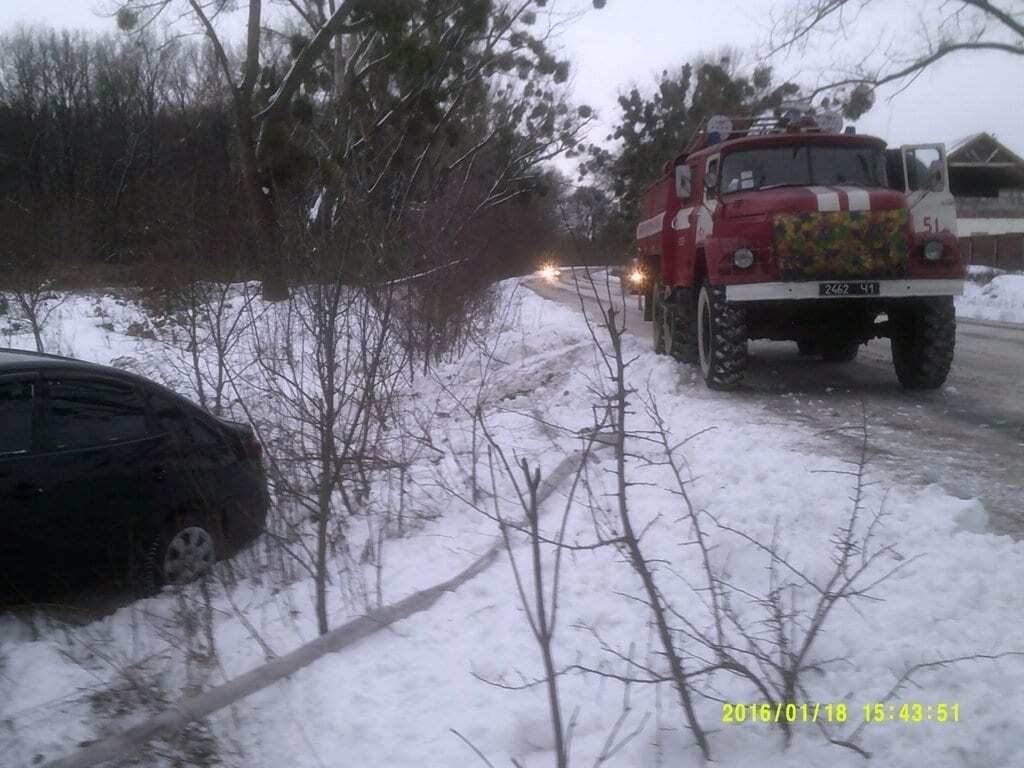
<point x="827" y="199"/>
<point x="651" y="226"/>
<point x="858" y="199"/>
<point x="682" y="219"/>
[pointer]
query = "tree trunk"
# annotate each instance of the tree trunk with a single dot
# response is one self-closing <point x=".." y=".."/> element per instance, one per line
<point x="260" y="193"/>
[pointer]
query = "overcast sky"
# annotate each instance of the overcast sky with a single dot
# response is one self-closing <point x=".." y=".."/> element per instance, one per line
<point x="631" y="41"/>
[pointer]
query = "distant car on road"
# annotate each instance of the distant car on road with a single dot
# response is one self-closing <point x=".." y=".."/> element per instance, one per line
<point x="104" y="474"/>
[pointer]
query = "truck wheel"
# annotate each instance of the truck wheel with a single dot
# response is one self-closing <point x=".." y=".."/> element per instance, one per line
<point x="721" y="338"/>
<point x="923" y="340"/>
<point x="684" y="329"/>
<point x="840" y="351"/>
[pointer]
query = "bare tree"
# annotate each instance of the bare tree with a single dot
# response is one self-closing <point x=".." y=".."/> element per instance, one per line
<point x="899" y="42"/>
<point x="629" y="541"/>
<point x="329" y="362"/>
<point x="204" y="321"/>
<point x="31" y="290"/>
<point x="405" y="92"/>
<point x="542" y="606"/>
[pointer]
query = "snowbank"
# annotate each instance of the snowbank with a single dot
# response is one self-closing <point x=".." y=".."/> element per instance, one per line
<point x="395" y="699"/>
<point x="1001" y="299"/>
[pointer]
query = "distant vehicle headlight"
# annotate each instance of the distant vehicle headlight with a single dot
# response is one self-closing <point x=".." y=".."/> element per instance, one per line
<point x="933" y="250"/>
<point x="636" y="277"/>
<point x="743" y="258"/>
<point x="549" y="271"/>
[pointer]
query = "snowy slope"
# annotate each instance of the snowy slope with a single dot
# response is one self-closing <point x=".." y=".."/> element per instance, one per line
<point x="395" y="699"/>
<point x="992" y="295"/>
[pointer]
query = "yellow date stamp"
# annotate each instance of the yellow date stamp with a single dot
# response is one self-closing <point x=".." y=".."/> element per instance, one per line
<point x="780" y="712"/>
<point x="839" y="712"/>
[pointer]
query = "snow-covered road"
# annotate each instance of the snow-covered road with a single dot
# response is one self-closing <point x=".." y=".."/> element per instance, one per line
<point x="967" y="436"/>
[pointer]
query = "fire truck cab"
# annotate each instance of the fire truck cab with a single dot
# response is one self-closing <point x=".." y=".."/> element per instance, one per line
<point x="792" y="229"/>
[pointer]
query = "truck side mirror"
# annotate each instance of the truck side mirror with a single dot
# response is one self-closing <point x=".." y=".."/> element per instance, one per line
<point x="935" y="182"/>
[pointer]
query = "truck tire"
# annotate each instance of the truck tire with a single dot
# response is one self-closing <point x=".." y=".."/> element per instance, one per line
<point x="675" y="327"/>
<point x="684" y="329"/>
<point x="923" y="340"/>
<point x="721" y="338"/>
<point x="839" y="351"/>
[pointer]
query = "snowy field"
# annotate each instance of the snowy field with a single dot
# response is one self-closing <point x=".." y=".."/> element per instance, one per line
<point x="421" y="692"/>
<point x="992" y="294"/>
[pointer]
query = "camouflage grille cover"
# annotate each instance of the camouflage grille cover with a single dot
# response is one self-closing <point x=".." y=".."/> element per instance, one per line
<point x="842" y="245"/>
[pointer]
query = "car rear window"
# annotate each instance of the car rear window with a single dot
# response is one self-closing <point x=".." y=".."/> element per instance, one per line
<point x="177" y="420"/>
<point x="16" y="417"/>
<point x="84" y="413"/>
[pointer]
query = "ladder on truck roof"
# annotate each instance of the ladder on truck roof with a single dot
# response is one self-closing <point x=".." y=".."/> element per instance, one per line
<point x="739" y="127"/>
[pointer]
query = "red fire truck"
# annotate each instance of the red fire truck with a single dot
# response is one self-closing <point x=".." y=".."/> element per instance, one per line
<point x="794" y="229"/>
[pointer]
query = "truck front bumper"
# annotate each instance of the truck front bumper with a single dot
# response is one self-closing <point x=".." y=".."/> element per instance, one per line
<point x="887" y="289"/>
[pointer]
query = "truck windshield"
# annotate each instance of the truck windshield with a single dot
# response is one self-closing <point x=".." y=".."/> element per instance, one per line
<point x="802" y="165"/>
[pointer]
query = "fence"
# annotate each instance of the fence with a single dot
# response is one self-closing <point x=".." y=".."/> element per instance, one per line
<point x="1001" y="251"/>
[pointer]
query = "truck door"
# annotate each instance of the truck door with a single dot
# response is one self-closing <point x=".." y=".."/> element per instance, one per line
<point x="926" y="185"/>
<point x="705" y="211"/>
<point x="680" y="231"/>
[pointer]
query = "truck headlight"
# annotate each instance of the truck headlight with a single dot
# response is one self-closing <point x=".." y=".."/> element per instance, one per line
<point x="933" y="250"/>
<point x="743" y="258"/>
<point x="636" y="277"/>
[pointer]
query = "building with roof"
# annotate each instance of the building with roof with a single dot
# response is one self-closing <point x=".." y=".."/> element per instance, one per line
<point x="987" y="181"/>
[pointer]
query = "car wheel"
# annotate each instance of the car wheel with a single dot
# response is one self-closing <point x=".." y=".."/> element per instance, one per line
<point x="807" y="348"/>
<point x="721" y="339"/>
<point x="840" y="352"/>
<point x="923" y="341"/>
<point x="186" y="550"/>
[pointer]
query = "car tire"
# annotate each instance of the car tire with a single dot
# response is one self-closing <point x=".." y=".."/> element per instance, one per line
<point x="840" y="351"/>
<point x="923" y="342"/>
<point x="186" y="549"/>
<point x="807" y="348"/>
<point x="721" y="338"/>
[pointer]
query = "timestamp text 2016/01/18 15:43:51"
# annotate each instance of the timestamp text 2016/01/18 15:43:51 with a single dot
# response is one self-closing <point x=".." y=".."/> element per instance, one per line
<point x="839" y="712"/>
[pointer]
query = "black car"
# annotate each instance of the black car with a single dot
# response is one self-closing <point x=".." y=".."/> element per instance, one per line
<point x="106" y="474"/>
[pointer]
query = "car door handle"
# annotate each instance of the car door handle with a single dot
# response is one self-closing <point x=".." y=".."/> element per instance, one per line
<point x="23" y="491"/>
<point x="159" y="472"/>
